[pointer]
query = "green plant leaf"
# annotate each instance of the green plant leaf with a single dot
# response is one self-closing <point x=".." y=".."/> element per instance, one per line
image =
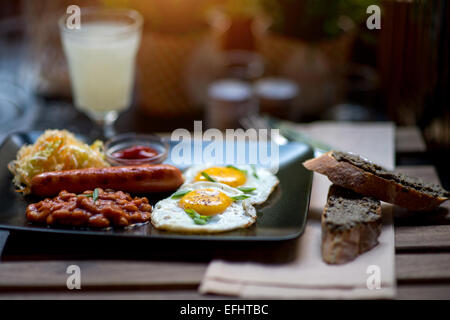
<point x="254" y="171"/>
<point x="95" y="194"/>
<point x="247" y="189"/>
<point x="89" y="195"/>
<point x="207" y="176"/>
<point x="198" y="219"/>
<point x="240" y="197"/>
<point x="179" y="194"/>
<point x="236" y="168"/>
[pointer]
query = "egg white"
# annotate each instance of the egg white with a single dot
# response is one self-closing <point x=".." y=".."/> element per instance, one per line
<point x="264" y="183"/>
<point x="168" y="215"/>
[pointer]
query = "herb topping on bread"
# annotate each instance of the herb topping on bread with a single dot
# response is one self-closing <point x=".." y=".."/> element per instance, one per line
<point x="431" y="189"/>
<point x="345" y="209"/>
<point x="364" y="177"/>
<point x="351" y="224"/>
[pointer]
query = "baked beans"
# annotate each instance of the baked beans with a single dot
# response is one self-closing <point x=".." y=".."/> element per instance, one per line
<point x="109" y="209"/>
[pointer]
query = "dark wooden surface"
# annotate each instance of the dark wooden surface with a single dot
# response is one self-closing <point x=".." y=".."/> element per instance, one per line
<point x="35" y="267"/>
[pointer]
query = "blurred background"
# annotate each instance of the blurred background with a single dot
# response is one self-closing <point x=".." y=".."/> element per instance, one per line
<point x="306" y="60"/>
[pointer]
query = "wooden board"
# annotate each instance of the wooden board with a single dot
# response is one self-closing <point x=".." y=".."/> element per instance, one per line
<point x="423" y="238"/>
<point x="409" y="139"/>
<point x="423" y="267"/>
<point x="422" y="230"/>
<point x="101" y="274"/>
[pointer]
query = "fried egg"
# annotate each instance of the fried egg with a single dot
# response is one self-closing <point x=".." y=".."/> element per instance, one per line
<point x="204" y="207"/>
<point x="256" y="182"/>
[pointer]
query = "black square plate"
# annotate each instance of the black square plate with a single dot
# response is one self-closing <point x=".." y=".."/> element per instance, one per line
<point x="282" y="217"/>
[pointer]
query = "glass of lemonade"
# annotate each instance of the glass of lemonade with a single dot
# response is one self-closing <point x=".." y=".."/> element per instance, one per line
<point x="101" y="57"/>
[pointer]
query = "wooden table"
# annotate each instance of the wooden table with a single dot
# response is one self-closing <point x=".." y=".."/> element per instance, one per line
<point x="35" y="266"/>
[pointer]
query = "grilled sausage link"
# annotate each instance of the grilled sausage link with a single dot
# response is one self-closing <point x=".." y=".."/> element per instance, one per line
<point x="134" y="179"/>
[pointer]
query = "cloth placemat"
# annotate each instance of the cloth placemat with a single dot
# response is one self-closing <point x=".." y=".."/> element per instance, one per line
<point x="307" y="276"/>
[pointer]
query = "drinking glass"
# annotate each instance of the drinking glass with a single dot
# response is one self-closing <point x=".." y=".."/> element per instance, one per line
<point x="101" y="56"/>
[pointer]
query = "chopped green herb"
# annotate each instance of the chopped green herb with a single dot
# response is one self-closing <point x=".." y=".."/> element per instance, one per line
<point x="198" y="219"/>
<point x="89" y="195"/>
<point x="246" y="189"/>
<point x="240" y="197"/>
<point x="95" y="194"/>
<point x="236" y="168"/>
<point x="208" y="177"/>
<point x="179" y="194"/>
<point x="254" y="171"/>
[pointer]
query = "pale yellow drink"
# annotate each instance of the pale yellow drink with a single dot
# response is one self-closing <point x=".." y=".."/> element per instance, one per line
<point x="101" y="56"/>
<point x="101" y="61"/>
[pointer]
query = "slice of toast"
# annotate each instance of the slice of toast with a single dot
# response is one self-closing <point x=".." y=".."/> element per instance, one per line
<point x="351" y="224"/>
<point x="362" y="176"/>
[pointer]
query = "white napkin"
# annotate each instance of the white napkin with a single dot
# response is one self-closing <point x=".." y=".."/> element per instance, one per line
<point x="370" y="275"/>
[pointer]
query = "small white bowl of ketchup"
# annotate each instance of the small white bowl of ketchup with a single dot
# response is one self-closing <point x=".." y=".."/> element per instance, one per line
<point x="134" y="149"/>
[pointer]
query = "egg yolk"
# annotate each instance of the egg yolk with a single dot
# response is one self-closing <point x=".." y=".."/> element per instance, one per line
<point x="206" y="202"/>
<point x="230" y="176"/>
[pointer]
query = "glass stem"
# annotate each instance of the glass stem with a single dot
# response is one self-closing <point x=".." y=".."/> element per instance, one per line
<point x="106" y="124"/>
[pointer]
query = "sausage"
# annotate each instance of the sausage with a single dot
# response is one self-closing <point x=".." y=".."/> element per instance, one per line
<point x="134" y="179"/>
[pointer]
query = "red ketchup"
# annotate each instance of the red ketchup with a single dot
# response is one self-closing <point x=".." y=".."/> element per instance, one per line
<point x="136" y="153"/>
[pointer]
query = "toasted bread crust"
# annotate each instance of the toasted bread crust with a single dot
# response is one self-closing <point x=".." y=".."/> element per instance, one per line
<point x="349" y="176"/>
<point x="344" y="241"/>
<point x="343" y="246"/>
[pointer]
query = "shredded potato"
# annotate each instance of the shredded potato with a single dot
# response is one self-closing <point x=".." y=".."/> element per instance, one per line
<point x="54" y="150"/>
